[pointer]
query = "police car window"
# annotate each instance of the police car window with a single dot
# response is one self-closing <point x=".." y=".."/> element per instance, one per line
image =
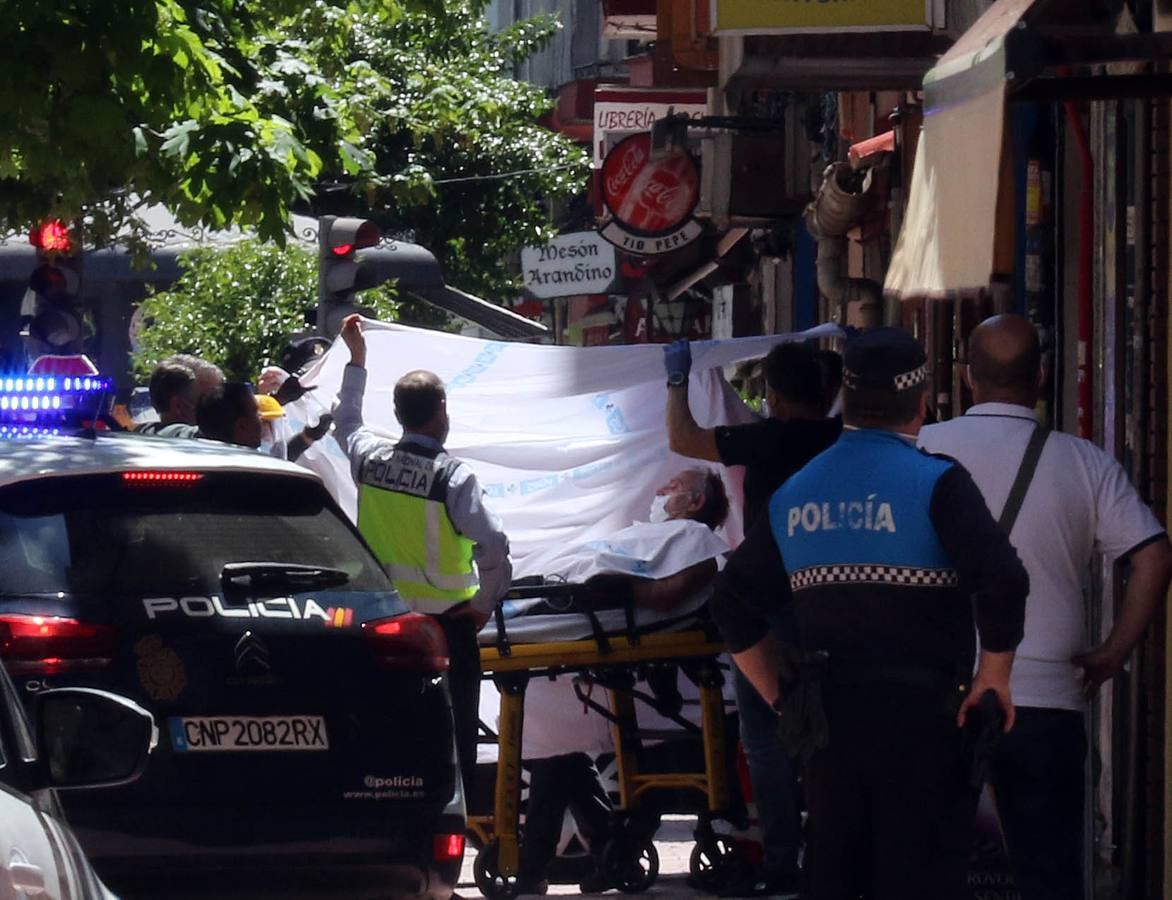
<point x="94" y="535"/>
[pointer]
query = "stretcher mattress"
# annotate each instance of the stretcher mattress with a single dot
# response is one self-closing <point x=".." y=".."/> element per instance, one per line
<point x="572" y="626"/>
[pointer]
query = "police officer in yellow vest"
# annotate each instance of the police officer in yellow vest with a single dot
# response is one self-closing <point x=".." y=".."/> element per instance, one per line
<point x="422" y="513"/>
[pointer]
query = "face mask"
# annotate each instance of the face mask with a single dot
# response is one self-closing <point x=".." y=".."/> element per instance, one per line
<point x="658" y="509"/>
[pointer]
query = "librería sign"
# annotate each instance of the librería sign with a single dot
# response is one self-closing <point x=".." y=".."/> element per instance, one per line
<point x="569" y="265"/>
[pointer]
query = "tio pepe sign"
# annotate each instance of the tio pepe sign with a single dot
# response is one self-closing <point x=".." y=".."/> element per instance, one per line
<point x="651" y="201"/>
<point x="569" y="265"/>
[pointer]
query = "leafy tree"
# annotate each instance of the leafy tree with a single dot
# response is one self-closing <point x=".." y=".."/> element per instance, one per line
<point x="229" y="111"/>
<point x="462" y="163"/>
<point x="106" y="105"/>
<point x="237" y="307"/>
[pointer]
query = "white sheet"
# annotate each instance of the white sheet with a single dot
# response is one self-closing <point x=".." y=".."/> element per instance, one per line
<point x="569" y="443"/>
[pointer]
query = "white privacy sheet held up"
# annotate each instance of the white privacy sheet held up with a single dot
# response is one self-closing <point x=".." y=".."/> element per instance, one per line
<point x="568" y="443"/>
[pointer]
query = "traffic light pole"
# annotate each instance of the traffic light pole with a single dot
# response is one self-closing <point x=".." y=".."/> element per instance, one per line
<point x="324" y="225"/>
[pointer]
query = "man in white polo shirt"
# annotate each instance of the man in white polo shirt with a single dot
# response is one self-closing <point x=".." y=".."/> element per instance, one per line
<point x="1079" y="502"/>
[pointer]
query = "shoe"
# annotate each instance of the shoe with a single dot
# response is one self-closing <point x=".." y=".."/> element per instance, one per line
<point x="760" y="885"/>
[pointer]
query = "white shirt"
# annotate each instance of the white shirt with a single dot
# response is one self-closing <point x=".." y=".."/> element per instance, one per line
<point x="1079" y="503"/>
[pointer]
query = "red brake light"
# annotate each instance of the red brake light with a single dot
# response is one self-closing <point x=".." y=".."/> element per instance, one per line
<point x="51" y="237"/>
<point x="143" y="479"/>
<point x="411" y="642"/>
<point x="448" y="847"/>
<point x="44" y="645"/>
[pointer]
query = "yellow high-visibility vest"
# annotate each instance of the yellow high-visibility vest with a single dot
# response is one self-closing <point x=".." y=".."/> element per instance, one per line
<point x="403" y="516"/>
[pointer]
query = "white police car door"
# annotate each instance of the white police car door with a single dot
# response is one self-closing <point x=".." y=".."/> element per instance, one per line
<point x="31" y="842"/>
<point x="27" y="867"/>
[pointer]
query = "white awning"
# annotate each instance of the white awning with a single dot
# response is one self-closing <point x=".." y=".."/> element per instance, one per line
<point x="959" y="219"/>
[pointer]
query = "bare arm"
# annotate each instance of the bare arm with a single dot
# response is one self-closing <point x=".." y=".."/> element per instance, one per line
<point x="1147" y="588"/>
<point x="992" y="675"/>
<point x="664" y="594"/>
<point x="684" y="436"/>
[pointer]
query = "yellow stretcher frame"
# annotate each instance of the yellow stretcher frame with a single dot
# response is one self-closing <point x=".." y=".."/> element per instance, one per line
<point x="498" y="858"/>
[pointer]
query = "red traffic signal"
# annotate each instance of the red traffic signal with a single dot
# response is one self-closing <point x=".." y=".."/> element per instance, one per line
<point x="51" y="237"/>
<point x="344" y="236"/>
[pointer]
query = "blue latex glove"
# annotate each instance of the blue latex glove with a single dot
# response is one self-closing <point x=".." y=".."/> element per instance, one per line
<point x="677" y="360"/>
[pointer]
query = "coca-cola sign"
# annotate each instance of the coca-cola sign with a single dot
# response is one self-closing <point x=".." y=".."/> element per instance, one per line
<point x="650" y="201"/>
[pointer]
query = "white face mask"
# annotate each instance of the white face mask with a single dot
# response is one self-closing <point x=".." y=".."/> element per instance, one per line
<point x="658" y="509"/>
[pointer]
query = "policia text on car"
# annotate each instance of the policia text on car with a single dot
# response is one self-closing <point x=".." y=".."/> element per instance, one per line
<point x="886" y="554"/>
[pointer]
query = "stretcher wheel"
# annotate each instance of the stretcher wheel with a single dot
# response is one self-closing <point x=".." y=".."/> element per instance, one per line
<point x="632" y="864"/>
<point x="714" y="864"/>
<point x="489" y="880"/>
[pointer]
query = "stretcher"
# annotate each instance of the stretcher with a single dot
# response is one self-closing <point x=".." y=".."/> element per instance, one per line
<point x="609" y="647"/>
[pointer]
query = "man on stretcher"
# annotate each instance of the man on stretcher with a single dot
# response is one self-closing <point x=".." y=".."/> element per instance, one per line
<point x="658" y="563"/>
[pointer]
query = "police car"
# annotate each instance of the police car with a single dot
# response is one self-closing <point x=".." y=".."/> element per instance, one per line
<point x="307" y="743"/>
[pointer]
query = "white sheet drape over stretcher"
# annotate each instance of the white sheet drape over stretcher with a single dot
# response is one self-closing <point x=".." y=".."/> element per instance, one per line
<point x="569" y="443"/>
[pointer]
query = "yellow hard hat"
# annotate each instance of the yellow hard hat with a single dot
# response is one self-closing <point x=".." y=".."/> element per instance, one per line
<point x="269" y="407"/>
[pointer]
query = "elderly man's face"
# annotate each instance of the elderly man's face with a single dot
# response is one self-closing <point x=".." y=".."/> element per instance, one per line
<point x="684" y="494"/>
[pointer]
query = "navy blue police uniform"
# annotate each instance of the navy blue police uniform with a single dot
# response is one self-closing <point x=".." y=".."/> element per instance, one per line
<point x="889" y="558"/>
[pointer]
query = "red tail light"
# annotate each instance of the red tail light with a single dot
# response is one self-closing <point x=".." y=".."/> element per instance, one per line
<point x="169" y="479"/>
<point x="411" y="642"/>
<point x="46" y="645"/>
<point x="448" y="847"/>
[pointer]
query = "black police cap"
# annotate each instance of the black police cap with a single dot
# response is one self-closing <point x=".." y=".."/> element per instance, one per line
<point x="883" y="359"/>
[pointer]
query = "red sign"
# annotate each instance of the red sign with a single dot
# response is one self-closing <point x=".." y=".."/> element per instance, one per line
<point x="649" y="197"/>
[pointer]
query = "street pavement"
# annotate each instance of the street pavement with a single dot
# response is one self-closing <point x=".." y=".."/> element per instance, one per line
<point x="674" y="844"/>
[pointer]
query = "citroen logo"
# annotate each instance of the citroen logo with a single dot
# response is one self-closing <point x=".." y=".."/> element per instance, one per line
<point x="252" y="656"/>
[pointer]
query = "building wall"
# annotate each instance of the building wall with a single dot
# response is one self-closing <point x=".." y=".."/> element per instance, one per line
<point x="577" y="51"/>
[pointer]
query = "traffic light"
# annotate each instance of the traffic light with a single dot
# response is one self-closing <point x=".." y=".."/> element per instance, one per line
<point x="51" y="311"/>
<point x="348" y="262"/>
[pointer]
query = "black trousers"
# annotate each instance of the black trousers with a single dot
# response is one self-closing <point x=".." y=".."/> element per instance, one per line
<point x="890" y="812"/>
<point x="1038" y="783"/>
<point x="555" y="784"/>
<point x="464" y="687"/>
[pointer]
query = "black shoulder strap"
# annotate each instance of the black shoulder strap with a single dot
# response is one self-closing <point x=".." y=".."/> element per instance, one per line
<point x="1025" y="474"/>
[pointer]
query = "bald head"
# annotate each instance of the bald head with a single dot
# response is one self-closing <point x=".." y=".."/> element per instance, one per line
<point x="1005" y="359"/>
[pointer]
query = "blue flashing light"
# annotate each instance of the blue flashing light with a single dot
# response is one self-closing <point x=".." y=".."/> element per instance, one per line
<point x="40" y="405"/>
<point x="27" y="432"/>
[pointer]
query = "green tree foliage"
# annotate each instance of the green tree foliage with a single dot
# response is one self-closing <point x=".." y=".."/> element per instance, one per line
<point x="237" y="307"/>
<point x="462" y="162"/>
<point x="109" y="104"/>
<point x="230" y="111"/>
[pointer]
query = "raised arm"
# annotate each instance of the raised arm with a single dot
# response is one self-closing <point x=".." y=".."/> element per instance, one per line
<point x="684" y="436"/>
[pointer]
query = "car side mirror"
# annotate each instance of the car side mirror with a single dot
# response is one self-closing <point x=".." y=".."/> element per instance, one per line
<point x="89" y="738"/>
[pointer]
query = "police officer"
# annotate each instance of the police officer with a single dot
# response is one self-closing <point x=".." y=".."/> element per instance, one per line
<point x="887" y="555"/>
<point x="421" y="512"/>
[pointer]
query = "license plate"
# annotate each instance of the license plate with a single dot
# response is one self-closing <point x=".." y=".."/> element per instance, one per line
<point x="222" y="733"/>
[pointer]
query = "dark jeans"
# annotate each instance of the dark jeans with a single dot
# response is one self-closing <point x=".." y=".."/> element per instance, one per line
<point x="1037" y="779"/>
<point x="555" y="784"/>
<point x="774" y="776"/>
<point x="464" y="687"/>
<point x="890" y="810"/>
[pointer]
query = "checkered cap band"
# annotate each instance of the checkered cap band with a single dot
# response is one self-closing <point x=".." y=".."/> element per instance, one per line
<point x="908" y="576"/>
<point x="900" y="382"/>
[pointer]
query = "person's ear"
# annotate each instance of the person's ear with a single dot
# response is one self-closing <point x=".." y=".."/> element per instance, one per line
<point x="967" y="375"/>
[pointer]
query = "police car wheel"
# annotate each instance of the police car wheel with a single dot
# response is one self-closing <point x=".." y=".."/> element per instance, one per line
<point x="489" y="881"/>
